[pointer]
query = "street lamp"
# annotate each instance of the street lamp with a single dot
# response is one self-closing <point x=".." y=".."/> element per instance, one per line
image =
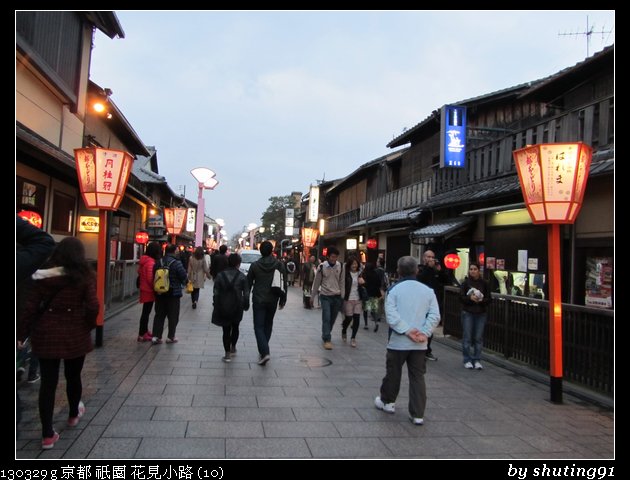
<point x="252" y="230"/>
<point x="553" y="179"/>
<point x="221" y="223"/>
<point x="205" y="179"/>
<point x="103" y="176"/>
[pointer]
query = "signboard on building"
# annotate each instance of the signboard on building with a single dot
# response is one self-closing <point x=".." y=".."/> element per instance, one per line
<point x="190" y="220"/>
<point x="453" y="136"/>
<point x="313" y="204"/>
<point x="155" y="221"/>
<point x="88" y="224"/>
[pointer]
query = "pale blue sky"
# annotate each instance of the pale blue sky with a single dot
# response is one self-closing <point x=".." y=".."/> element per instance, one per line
<point x="273" y="101"/>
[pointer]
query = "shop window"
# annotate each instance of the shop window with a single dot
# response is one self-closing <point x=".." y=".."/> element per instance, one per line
<point x="62" y="213"/>
<point x="30" y="195"/>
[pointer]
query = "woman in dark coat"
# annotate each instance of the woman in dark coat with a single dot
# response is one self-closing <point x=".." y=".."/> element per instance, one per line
<point x="59" y="316"/>
<point x="230" y="283"/>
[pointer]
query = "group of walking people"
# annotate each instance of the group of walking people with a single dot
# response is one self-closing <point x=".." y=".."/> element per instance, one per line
<point x="61" y="309"/>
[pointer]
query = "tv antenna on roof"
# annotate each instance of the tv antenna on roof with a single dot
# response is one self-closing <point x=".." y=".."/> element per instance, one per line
<point x="588" y="32"/>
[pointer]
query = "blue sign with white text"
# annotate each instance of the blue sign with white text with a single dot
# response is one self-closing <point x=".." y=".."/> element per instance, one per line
<point x="453" y="136"/>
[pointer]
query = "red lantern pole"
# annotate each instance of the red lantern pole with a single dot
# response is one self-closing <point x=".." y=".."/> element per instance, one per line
<point x="555" y="313"/>
<point x="101" y="269"/>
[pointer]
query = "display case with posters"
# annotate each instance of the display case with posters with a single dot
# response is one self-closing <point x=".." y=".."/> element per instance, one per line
<point x="599" y="275"/>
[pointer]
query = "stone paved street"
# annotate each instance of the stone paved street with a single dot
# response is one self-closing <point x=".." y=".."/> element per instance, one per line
<point x="181" y="401"/>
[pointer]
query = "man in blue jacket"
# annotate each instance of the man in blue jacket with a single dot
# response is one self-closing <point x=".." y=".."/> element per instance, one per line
<point x="412" y="313"/>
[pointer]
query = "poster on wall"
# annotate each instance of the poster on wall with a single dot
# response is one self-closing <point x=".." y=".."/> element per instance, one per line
<point x="491" y="263"/>
<point x="599" y="274"/>
<point x="500" y="263"/>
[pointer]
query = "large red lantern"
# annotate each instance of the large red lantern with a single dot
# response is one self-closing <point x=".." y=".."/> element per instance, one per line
<point x="103" y="176"/>
<point x="309" y="236"/>
<point x="452" y="261"/>
<point x="31" y="217"/>
<point x="371" y="243"/>
<point x="553" y="180"/>
<point x="142" y="238"/>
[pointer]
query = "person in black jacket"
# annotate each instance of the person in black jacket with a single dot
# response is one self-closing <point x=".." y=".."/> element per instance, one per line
<point x="230" y="278"/>
<point x="219" y="262"/>
<point x="167" y="304"/>
<point x="475" y="296"/>
<point x="433" y="276"/>
<point x="264" y="300"/>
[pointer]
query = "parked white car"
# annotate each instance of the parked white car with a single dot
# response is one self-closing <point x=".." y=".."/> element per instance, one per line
<point x="247" y="258"/>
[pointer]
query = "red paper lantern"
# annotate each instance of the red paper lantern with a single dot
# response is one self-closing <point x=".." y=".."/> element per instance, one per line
<point x="371" y="243"/>
<point x="482" y="258"/>
<point x="142" y="238"/>
<point x="325" y="251"/>
<point x="452" y="261"/>
<point x="33" y="218"/>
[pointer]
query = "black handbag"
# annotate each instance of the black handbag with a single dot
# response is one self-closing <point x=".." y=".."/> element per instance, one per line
<point x="363" y="294"/>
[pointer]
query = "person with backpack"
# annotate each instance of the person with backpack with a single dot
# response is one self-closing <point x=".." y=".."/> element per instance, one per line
<point x="265" y="299"/>
<point x="169" y="275"/>
<point x="230" y="300"/>
<point x="147" y="294"/>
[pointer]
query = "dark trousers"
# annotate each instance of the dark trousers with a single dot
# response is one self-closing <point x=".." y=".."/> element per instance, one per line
<point x="230" y="336"/>
<point x="416" y="368"/>
<point x="331" y="305"/>
<point x="144" y="318"/>
<point x="49" y="368"/>
<point x="355" y="319"/>
<point x="263" y="325"/>
<point x="195" y="295"/>
<point x="166" y="306"/>
<point x="429" y="350"/>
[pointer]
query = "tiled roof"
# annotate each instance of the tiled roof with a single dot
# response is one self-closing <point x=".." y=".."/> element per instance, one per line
<point x="445" y="228"/>
<point x="408" y="214"/>
<point x="143" y="173"/>
<point x="502" y="187"/>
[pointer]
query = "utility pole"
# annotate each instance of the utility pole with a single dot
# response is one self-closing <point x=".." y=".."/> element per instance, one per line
<point x="587" y="33"/>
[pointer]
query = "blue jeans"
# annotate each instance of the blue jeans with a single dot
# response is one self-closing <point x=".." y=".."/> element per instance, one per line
<point x="472" y="329"/>
<point x="331" y="304"/>
<point x="263" y="325"/>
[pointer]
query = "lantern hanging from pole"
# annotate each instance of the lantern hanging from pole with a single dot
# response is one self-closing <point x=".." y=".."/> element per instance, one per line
<point x="174" y="219"/>
<point x="309" y="236"/>
<point x="142" y="237"/>
<point x="452" y="261"/>
<point x="553" y="179"/>
<point x="31" y="217"/>
<point x="103" y="176"/>
<point x="371" y="243"/>
<point x="482" y="259"/>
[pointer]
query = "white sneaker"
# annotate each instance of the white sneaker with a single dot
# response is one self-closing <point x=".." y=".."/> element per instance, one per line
<point x="478" y="365"/>
<point x="386" y="407"/>
<point x="468" y="365"/>
<point x="416" y="420"/>
<point x="264" y="360"/>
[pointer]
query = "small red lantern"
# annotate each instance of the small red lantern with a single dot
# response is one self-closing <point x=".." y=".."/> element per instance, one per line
<point x="482" y="259"/>
<point x="452" y="261"/>
<point x="33" y="218"/>
<point x="142" y="238"/>
<point x="325" y="251"/>
<point x="371" y="243"/>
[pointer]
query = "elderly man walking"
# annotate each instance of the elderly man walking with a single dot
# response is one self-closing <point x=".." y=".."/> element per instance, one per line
<point x="412" y="313"/>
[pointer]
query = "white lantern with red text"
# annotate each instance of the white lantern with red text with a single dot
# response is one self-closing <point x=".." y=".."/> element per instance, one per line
<point x="103" y="176"/>
<point x="553" y="179"/>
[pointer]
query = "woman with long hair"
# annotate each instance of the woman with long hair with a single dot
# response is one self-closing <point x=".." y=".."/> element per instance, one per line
<point x="197" y="273"/>
<point x="59" y="316"/>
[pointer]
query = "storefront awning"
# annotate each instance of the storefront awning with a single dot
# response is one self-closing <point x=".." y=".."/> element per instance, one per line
<point x="445" y="228"/>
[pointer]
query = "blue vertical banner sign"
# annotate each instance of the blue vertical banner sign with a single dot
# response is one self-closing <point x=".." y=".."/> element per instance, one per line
<point x="453" y="136"/>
